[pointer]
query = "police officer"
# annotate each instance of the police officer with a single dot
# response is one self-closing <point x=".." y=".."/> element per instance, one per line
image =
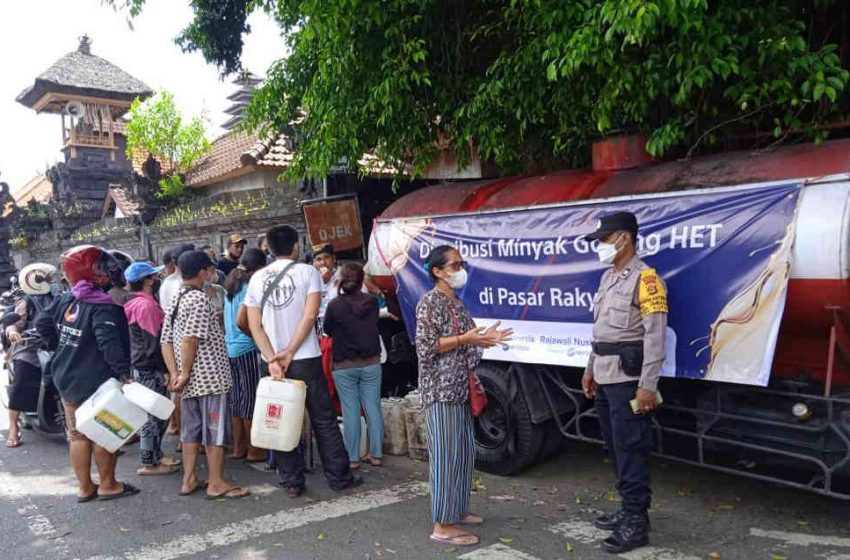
<point x="629" y="327"/>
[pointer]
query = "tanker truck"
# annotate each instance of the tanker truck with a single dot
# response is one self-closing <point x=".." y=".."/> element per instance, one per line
<point x="755" y="249"/>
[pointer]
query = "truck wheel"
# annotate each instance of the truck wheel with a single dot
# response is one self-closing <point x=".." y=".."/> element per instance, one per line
<point x="554" y="441"/>
<point x="505" y="439"/>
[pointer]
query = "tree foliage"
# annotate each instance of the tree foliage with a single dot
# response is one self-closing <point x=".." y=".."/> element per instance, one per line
<point x="157" y="128"/>
<point x="530" y="83"/>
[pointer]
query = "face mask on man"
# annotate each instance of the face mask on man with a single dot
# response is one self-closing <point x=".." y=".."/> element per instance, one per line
<point x="457" y="280"/>
<point x="607" y="252"/>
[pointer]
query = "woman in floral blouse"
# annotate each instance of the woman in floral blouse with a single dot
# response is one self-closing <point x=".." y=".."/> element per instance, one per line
<point x="449" y="346"/>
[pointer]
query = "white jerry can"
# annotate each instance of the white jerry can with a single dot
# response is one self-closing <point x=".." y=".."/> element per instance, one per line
<point x="108" y="418"/>
<point x="150" y="401"/>
<point x="278" y="414"/>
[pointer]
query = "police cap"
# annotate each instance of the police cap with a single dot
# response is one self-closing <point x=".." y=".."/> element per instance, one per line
<point x="619" y="221"/>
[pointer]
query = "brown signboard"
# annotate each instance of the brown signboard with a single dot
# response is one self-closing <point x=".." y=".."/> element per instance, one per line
<point x="335" y="222"/>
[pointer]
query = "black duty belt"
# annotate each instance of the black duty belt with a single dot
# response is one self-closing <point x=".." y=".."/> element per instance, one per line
<point x="630" y="352"/>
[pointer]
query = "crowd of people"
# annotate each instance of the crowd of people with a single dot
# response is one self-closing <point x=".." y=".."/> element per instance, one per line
<point x="208" y="337"/>
<point x="205" y="329"/>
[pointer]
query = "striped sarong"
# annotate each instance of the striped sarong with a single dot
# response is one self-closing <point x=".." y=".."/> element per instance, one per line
<point x="246" y="373"/>
<point x="451" y="446"/>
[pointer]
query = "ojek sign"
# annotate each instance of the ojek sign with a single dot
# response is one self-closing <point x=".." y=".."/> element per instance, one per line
<point x="724" y="254"/>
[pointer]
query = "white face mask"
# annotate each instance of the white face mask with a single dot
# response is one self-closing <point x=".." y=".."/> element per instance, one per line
<point x="457" y="280"/>
<point x="607" y="252"/>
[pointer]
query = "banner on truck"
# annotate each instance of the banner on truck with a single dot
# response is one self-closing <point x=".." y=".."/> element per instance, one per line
<point x="725" y="255"/>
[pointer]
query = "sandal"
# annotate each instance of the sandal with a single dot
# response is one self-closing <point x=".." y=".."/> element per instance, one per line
<point x="471" y="519"/>
<point x="170" y="461"/>
<point x="201" y="485"/>
<point x="163" y="469"/>
<point x="10" y="443"/>
<point x="228" y="494"/>
<point x="376" y="462"/>
<point x="129" y="490"/>
<point x="89" y="498"/>
<point x="456" y="540"/>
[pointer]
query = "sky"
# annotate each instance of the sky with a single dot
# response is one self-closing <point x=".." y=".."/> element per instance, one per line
<point x="36" y="33"/>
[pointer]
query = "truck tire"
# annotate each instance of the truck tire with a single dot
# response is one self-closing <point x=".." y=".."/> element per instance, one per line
<point x="506" y="441"/>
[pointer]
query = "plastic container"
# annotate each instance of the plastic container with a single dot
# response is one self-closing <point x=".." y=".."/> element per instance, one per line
<point x="278" y="414"/>
<point x="417" y="434"/>
<point x="108" y="418"/>
<point x="395" y="430"/>
<point x="150" y="401"/>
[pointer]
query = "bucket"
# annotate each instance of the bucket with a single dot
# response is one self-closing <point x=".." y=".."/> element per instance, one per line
<point x="150" y="401"/>
<point x="395" y="430"/>
<point x="108" y="418"/>
<point x="278" y="414"/>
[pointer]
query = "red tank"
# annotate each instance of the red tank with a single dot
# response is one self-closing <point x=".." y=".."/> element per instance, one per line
<point x="819" y="290"/>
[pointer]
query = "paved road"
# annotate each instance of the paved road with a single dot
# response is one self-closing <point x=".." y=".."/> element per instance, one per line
<point x="543" y="514"/>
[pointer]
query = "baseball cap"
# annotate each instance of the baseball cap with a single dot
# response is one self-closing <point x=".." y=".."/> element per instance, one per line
<point x="619" y="221"/>
<point x="236" y="238"/>
<point x="193" y="262"/>
<point x="319" y="249"/>
<point x="138" y="270"/>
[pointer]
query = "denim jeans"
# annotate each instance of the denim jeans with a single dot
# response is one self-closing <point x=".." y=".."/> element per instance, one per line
<point x="361" y="388"/>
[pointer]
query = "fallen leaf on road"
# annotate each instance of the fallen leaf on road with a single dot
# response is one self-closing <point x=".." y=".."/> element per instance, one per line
<point x="553" y="490"/>
<point x="685" y="492"/>
<point x="124" y="529"/>
<point x="726" y="507"/>
<point x="802" y="522"/>
<point x="570" y="547"/>
<point x="478" y="485"/>
<point x="714" y="554"/>
<point x="320" y="537"/>
<point x="506" y="540"/>
<point x="449" y="550"/>
<point x="778" y="557"/>
<point x="611" y="496"/>
<point x="578" y="499"/>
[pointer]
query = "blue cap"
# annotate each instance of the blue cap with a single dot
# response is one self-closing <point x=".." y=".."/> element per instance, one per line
<point x="139" y="270"/>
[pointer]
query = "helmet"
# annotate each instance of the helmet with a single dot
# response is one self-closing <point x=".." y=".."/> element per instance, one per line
<point x="87" y="262"/>
<point x="35" y="278"/>
<point x="124" y="260"/>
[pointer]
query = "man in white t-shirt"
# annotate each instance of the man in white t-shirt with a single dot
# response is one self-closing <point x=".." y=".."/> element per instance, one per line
<point x="172" y="283"/>
<point x="283" y="325"/>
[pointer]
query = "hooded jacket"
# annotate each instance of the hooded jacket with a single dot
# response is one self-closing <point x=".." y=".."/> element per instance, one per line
<point x="145" y="317"/>
<point x="91" y="343"/>
<point x="352" y="321"/>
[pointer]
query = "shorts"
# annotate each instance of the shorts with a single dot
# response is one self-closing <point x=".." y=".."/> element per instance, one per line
<point x="205" y="420"/>
<point x="71" y="423"/>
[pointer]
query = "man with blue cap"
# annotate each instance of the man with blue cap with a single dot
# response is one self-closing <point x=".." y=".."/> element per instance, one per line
<point x="145" y="318"/>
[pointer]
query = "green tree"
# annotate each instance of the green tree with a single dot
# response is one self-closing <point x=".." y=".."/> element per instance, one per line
<point x="157" y="128"/>
<point x="530" y="83"/>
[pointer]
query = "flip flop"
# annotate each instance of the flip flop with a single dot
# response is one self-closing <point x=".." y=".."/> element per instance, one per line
<point x="226" y="494"/>
<point x="171" y="462"/>
<point x="202" y="485"/>
<point x="454" y="540"/>
<point x="10" y="443"/>
<point x="170" y="469"/>
<point x="129" y="490"/>
<point x="89" y="498"/>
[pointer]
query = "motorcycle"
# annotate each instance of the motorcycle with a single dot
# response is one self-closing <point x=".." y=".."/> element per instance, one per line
<point x="49" y="415"/>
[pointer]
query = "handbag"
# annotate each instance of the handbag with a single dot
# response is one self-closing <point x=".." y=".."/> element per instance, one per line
<point x="477" y="395"/>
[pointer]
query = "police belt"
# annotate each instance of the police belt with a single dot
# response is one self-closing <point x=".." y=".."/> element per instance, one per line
<point x="631" y="354"/>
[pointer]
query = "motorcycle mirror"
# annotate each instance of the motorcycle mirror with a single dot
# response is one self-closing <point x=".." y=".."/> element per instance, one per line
<point x="9" y="319"/>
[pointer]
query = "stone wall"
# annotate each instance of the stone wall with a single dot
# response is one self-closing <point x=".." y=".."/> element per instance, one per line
<point x="207" y="222"/>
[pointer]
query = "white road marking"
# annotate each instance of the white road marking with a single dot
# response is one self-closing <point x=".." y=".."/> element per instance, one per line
<point x="274" y="523"/>
<point x="801" y="539"/>
<point x="584" y="532"/>
<point x="497" y="552"/>
<point x="40" y="526"/>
